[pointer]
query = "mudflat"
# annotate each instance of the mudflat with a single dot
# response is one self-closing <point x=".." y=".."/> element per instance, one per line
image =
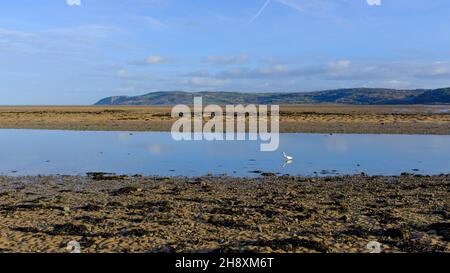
<point x="108" y="213"/>
<point x="417" y="119"/>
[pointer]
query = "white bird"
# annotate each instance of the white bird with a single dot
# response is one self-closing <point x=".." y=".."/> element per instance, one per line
<point x="288" y="158"/>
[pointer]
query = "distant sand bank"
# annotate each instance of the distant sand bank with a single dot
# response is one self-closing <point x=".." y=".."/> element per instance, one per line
<point x="300" y="118"/>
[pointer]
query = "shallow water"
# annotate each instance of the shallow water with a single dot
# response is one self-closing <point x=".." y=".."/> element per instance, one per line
<point x="34" y="152"/>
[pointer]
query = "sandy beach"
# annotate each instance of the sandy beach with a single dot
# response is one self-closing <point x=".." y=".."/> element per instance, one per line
<point x="271" y="214"/>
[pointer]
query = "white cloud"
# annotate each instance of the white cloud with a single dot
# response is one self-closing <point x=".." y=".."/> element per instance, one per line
<point x="238" y="59"/>
<point x="327" y="9"/>
<point x="154" y="23"/>
<point x="151" y="60"/>
<point x="374" y="2"/>
<point x="206" y="82"/>
<point x="339" y="73"/>
<point x="398" y="83"/>
<point x="127" y="88"/>
<point x="275" y="69"/>
<point x="259" y="12"/>
<point x="435" y="70"/>
<point x="155" y="59"/>
<point x="5" y="33"/>
<point x="336" y="68"/>
<point x="403" y="73"/>
<point x="292" y="4"/>
<point x="60" y="41"/>
<point x="73" y="2"/>
<point x="122" y="73"/>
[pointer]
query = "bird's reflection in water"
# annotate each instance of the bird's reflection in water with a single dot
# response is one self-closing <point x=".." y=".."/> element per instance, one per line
<point x="288" y="162"/>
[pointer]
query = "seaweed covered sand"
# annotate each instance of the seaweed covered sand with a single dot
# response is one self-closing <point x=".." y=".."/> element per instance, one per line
<point x="409" y="213"/>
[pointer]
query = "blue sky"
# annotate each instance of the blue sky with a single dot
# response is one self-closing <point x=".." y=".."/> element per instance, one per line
<point x="55" y="53"/>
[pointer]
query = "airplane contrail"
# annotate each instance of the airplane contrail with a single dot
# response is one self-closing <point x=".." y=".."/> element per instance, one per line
<point x="260" y="11"/>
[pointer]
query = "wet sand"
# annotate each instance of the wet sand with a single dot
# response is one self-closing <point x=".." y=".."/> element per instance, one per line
<point x="409" y="213"/>
<point x="295" y="118"/>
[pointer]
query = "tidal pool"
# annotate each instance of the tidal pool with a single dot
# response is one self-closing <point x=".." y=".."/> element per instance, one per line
<point x="44" y="152"/>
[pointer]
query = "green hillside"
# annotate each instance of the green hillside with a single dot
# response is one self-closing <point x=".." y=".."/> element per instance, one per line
<point x="358" y="96"/>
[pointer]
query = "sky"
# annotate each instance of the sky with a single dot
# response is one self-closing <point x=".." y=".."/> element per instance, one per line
<point x="74" y="52"/>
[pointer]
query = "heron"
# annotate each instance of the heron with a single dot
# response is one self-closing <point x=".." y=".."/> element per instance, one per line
<point x="287" y="157"/>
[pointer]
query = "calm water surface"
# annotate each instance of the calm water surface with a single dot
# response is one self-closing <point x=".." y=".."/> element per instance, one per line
<point x="33" y="152"/>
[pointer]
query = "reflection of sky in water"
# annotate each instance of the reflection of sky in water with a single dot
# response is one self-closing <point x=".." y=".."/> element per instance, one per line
<point x="27" y="152"/>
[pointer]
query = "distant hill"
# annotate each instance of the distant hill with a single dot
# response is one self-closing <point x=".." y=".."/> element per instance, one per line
<point x="359" y="96"/>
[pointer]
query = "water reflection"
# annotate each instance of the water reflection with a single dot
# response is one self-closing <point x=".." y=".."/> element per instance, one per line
<point x="287" y="162"/>
<point x="33" y="152"/>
